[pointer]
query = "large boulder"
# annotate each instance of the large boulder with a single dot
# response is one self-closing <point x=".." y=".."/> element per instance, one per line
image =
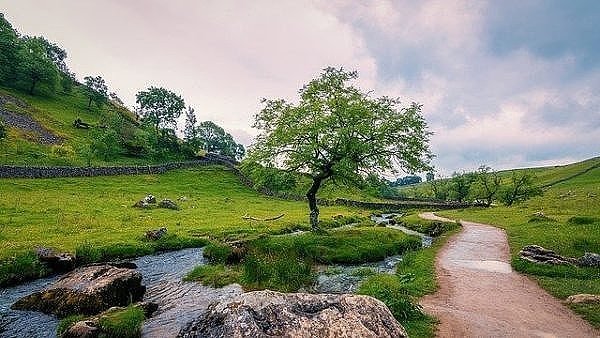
<point x="168" y="204"/>
<point x="88" y="290"/>
<point x="273" y="314"/>
<point x="537" y="254"/>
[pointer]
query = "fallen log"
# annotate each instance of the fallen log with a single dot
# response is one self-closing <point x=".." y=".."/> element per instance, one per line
<point x="262" y="219"/>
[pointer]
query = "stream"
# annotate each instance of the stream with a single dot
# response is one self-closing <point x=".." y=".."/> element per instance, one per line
<point x="179" y="302"/>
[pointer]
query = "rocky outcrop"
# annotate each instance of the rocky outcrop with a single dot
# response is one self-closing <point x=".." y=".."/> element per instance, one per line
<point x="89" y="327"/>
<point x="88" y="290"/>
<point x="57" y="261"/>
<point x="590" y="259"/>
<point x="583" y="298"/>
<point x="269" y="313"/>
<point x="537" y="254"/>
<point x="168" y="204"/>
<point x="155" y="235"/>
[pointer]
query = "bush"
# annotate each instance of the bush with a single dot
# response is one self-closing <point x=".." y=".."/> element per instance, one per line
<point x="125" y="323"/>
<point x="388" y="289"/>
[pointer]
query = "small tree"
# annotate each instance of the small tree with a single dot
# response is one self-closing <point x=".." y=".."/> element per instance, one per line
<point x="35" y="66"/>
<point x="159" y="107"/>
<point x="339" y="131"/>
<point x="96" y="90"/>
<point x="520" y="188"/>
<point x="486" y="185"/>
<point x="460" y="185"/>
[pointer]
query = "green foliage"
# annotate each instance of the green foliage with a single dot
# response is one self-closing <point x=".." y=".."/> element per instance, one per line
<point x="284" y="273"/>
<point x="159" y="107"/>
<point x="67" y="322"/>
<point x="125" y="323"/>
<point x="460" y="185"/>
<point x="20" y="268"/>
<point x="214" y="139"/>
<point x="216" y="276"/>
<point x="34" y="66"/>
<point x="428" y="227"/>
<point x="521" y="187"/>
<point x="338" y="131"/>
<point x="9" y="46"/>
<point x="390" y="290"/>
<point x="268" y="177"/>
<point x="95" y="90"/>
<point x="486" y="185"/>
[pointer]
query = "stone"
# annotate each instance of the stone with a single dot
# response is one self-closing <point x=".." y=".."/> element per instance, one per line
<point x="182" y="199"/>
<point x="88" y="328"/>
<point x="583" y="298"/>
<point x="590" y="259"/>
<point x="540" y="255"/>
<point x="141" y="204"/>
<point x="273" y="314"/>
<point x="157" y="234"/>
<point x="150" y="199"/>
<point x="60" y="262"/>
<point x="168" y="204"/>
<point x="87" y="290"/>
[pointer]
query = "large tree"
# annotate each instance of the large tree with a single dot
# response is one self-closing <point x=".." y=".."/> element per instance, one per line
<point x="338" y="131"/>
<point x="159" y="107"/>
<point x="96" y="90"/>
<point x="214" y="139"/>
<point x="35" y="65"/>
<point x="9" y="47"/>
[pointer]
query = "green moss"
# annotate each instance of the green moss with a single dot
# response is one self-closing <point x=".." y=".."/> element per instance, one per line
<point x="125" y="323"/>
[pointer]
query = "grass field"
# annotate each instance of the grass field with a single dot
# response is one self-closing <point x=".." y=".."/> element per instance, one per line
<point x="573" y="228"/>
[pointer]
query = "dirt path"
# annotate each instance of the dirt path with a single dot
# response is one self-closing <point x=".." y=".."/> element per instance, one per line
<point x="481" y="296"/>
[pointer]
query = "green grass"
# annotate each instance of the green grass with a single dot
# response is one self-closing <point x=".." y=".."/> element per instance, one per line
<point x="126" y="323"/>
<point x="571" y="228"/>
<point x="95" y="215"/>
<point x="216" y="276"/>
<point x="67" y="322"/>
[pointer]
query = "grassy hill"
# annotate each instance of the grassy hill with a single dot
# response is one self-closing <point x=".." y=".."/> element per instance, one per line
<point x="55" y="114"/>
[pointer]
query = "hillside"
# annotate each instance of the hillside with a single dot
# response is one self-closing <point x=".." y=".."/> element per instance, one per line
<point x="54" y="115"/>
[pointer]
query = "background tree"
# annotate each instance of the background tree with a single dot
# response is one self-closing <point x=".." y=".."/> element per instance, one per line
<point x="96" y="90"/>
<point x="159" y="107"/>
<point x="34" y="65"/>
<point x="486" y="185"/>
<point x="439" y="188"/>
<point x="339" y="131"/>
<point x="215" y="139"/>
<point x="190" y="130"/>
<point x="521" y="187"/>
<point x="460" y="185"/>
<point x="9" y="47"/>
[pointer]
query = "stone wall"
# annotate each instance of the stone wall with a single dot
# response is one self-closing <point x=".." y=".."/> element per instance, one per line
<point x="9" y="171"/>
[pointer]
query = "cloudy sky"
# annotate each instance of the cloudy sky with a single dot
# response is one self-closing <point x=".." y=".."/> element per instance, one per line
<point x="505" y="83"/>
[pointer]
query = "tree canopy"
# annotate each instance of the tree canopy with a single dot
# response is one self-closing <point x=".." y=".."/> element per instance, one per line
<point x="159" y="107"/>
<point x="338" y="131"/>
<point x="96" y="90"/>
<point x="35" y="66"/>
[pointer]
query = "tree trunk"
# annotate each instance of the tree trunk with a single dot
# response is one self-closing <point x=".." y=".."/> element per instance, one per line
<point x="90" y="103"/>
<point x="33" y="83"/>
<point x="311" y="195"/>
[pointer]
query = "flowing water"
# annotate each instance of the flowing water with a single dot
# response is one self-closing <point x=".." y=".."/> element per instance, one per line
<point x="387" y="220"/>
<point x="178" y="301"/>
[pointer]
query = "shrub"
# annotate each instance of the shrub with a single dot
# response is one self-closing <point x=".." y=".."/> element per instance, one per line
<point x="389" y="290"/>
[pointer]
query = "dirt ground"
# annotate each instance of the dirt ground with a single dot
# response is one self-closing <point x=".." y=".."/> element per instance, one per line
<point x="481" y="296"/>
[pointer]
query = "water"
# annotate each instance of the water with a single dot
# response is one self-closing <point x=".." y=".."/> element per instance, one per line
<point x="385" y="219"/>
<point x="179" y="301"/>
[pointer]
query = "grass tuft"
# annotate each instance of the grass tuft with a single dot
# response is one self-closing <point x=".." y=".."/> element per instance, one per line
<point x="125" y="323"/>
<point x="216" y="276"/>
<point x="67" y="322"/>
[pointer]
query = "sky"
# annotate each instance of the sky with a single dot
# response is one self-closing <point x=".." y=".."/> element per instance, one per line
<point x="503" y="83"/>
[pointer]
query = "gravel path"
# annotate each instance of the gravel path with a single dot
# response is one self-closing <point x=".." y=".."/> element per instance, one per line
<point x="481" y="296"/>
